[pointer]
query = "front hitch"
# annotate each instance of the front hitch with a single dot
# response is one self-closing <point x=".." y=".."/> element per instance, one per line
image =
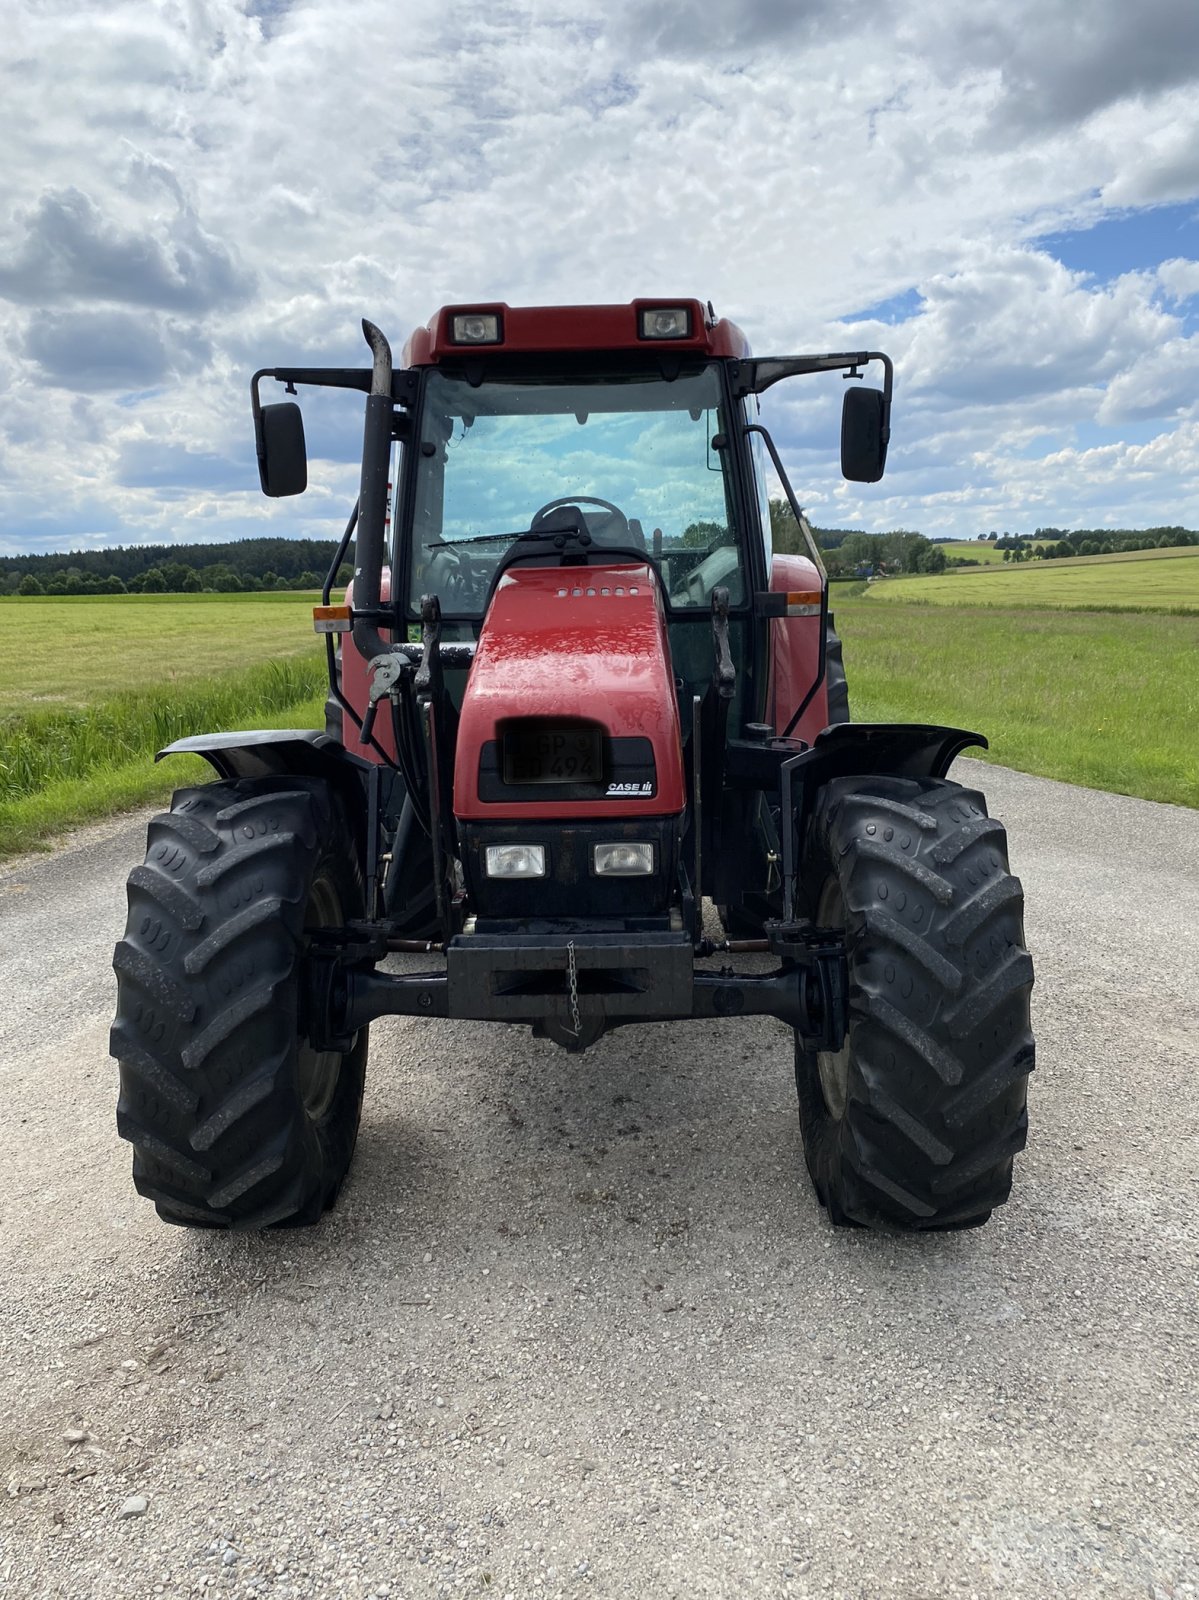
<point x="571" y="989"/>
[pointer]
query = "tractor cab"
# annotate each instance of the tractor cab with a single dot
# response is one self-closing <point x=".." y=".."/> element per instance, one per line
<point x="522" y="465"/>
<point x="626" y="459"/>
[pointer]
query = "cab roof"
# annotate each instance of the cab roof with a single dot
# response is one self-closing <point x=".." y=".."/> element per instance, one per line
<point x="543" y="330"/>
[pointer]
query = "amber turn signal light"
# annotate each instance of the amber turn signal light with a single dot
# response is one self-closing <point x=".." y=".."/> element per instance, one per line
<point x="331" y="619"/>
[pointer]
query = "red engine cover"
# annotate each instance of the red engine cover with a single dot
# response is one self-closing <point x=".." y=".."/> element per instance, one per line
<point x="573" y="642"/>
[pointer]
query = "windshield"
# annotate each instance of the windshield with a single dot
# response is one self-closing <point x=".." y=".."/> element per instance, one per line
<point x="629" y="458"/>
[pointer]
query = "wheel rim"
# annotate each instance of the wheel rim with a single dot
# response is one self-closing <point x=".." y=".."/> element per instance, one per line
<point x="833" y="1065"/>
<point x="318" y="1070"/>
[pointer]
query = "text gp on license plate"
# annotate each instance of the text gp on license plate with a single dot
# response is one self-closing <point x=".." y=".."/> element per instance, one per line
<point x="553" y="755"/>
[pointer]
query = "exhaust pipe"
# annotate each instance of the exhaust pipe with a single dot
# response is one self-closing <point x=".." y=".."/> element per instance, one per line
<point x="372" y="497"/>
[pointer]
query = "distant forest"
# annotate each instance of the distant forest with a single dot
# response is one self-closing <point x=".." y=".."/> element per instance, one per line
<point x="252" y="564"/>
<point x="852" y="553"/>
<point x="1055" y="544"/>
<point x="258" y="564"/>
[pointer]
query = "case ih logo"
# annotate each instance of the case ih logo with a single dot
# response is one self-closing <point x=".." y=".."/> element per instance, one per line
<point x="622" y="791"/>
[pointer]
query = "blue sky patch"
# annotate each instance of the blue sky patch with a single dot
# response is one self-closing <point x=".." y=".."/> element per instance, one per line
<point x="1094" y="435"/>
<point x="1135" y="241"/>
<point x="894" y="309"/>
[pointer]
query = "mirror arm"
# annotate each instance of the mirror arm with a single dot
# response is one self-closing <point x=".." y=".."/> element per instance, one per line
<point x="755" y="375"/>
<point x="402" y="383"/>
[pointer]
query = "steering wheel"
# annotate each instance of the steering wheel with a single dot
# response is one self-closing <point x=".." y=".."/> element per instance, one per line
<point x="616" y="515"/>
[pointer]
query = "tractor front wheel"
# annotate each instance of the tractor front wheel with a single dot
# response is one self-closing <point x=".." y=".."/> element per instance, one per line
<point x="914" y="1122"/>
<point x="236" y="1121"/>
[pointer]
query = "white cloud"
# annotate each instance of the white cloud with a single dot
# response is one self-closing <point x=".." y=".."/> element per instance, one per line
<point x="1179" y="278"/>
<point x="204" y="187"/>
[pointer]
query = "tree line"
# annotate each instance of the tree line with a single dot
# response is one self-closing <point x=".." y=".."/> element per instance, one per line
<point x="276" y="563"/>
<point x="850" y="553"/>
<point x="243" y="564"/>
<point x="1056" y="544"/>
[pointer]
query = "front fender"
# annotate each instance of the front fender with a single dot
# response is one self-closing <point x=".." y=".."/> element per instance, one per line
<point x="899" y="749"/>
<point x="264" y="753"/>
<point x="861" y="749"/>
<point x="283" y="752"/>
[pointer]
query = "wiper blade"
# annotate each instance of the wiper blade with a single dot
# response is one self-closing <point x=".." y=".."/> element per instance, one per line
<point x="524" y="533"/>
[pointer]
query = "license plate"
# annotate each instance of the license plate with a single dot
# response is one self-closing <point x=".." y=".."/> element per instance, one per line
<point x="553" y="755"/>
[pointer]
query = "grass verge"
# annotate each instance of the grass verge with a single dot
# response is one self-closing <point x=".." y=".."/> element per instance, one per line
<point x="1110" y="702"/>
<point x="62" y="767"/>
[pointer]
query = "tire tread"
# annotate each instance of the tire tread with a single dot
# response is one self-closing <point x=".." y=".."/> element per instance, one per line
<point x="207" y="1030"/>
<point x="940" y="1038"/>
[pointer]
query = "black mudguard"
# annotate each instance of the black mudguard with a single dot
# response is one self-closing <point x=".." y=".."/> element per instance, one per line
<point x="264" y="753"/>
<point x="855" y="750"/>
<point x="770" y="781"/>
<point x="278" y="752"/>
<point x="900" y="749"/>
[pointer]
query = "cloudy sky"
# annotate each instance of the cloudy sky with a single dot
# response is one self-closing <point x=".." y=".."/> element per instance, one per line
<point x="1003" y="194"/>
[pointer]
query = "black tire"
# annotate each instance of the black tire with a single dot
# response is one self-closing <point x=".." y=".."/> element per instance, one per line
<point x="834" y="673"/>
<point x="915" y="1123"/>
<point x="236" y="1122"/>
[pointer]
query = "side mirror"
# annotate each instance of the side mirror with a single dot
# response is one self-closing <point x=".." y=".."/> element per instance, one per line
<point x="864" y="432"/>
<point x="282" y="458"/>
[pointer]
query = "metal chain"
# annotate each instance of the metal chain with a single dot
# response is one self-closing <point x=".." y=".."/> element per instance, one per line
<point x="572" y="979"/>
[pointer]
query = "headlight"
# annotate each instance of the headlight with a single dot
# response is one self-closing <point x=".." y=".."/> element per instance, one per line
<point x="515" y="861"/>
<point x="623" y="860"/>
<point x="476" y="327"/>
<point x="666" y="322"/>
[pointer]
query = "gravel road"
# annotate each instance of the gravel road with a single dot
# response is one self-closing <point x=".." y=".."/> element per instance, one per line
<point x="579" y="1326"/>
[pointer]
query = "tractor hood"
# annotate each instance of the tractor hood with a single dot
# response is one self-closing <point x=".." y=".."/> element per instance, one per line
<point x="570" y="707"/>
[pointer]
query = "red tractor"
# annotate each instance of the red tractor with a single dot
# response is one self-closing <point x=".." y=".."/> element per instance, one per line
<point x="577" y="696"/>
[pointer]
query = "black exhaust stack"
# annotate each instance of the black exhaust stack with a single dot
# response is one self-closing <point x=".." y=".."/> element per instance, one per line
<point x="372" y="497"/>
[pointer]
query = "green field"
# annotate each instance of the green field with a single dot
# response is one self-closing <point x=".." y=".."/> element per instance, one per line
<point x="1106" y="700"/>
<point x="91" y="687"/>
<point x="1082" y="670"/>
<point x="984" y="553"/>
<point x="1165" y="581"/>
<point x="996" y="562"/>
<point x="74" y="651"/>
